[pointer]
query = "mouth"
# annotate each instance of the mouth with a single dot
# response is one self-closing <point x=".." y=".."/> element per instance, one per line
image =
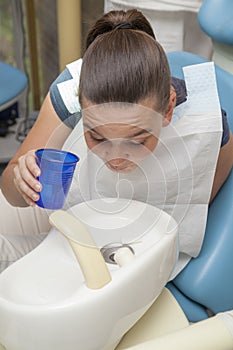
<point x="121" y="168"/>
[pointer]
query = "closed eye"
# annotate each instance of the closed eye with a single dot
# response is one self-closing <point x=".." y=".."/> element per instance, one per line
<point x="136" y="143"/>
<point x="97" y="138"/>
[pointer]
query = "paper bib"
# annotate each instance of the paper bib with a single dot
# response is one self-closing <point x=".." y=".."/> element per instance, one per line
<point x="178" y="176"/>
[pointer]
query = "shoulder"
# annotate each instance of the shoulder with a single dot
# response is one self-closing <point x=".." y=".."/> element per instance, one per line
<point x="181" y="96"/>
<point x="64" y="94"/>
<point x="180" y="89"/>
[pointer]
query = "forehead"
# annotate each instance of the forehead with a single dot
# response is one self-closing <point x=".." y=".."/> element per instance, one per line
<point x="123" y="115"/>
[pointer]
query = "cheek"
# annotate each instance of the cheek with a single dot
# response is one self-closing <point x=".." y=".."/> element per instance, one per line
<point x="91" y="144"/>
<point x="95" y="146"/>
<point x="147" y="148"/>
<point x="151" y="143"/>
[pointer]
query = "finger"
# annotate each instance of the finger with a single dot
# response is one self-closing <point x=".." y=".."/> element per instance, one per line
<point x="25" y="197"/>
<point x="23" y="187"/>
<point x="30" y="160"/>
<point x="26" y="174"/>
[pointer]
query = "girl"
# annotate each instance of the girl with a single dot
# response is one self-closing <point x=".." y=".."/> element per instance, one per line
<point x="131" y="67"/>
<point x="127" y="98"/>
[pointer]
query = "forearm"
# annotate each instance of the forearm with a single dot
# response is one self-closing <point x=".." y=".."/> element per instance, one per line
<point x="19" y="186"/>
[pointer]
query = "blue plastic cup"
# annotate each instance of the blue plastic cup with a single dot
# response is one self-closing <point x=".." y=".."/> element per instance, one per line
<point x="57" y="170"/>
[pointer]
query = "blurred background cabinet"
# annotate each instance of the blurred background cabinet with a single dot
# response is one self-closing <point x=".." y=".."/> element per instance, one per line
<point x="39" y="37"/>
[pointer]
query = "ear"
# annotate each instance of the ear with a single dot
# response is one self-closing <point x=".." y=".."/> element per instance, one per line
<point x="169" y="111"/>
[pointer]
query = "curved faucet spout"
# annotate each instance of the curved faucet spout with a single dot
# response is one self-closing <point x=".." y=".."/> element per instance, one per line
<point x="90" y="259"/>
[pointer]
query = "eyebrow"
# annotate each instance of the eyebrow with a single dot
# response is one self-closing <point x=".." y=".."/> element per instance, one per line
<point x="139" y="133"/>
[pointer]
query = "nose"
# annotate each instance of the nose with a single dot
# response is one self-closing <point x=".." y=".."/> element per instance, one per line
<point x="116" y="153"/>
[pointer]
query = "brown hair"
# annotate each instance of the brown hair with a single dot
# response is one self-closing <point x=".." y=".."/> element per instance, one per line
<point x="123" y="62"/>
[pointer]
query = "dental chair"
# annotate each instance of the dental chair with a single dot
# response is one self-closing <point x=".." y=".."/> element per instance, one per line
<point x="215" y="18"/>
<point x="205" y="286"/>
<point x="180" y="317"/>
<point x="13" y="83"/>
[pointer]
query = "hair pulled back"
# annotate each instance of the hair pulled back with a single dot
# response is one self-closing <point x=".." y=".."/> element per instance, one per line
<point x="123" y="62"/>
<point x="110" y="20"/>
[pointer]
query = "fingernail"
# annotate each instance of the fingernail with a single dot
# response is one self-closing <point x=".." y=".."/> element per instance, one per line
<point x="37" y="187"/>
<point x="35" y="196"/>
<point x="37" y="173"/>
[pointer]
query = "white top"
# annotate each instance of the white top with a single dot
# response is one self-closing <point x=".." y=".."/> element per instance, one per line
<point x="160" y="5"/>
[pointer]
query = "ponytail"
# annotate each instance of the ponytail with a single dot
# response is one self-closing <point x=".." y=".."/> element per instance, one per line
<point x="134" y="19"/>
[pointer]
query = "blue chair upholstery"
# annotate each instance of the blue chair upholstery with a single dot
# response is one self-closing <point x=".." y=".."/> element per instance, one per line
<point x="215" y="18"/>
<point x="193" y="310"/>
<point x="178" y="59"/>
<point x="207" y="280"/>
<point x="12" y="84"/>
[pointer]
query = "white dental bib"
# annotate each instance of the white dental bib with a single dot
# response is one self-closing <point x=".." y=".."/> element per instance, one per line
<point x="178" y="176"/>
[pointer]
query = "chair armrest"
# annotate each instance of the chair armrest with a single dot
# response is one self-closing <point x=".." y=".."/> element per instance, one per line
<point x="207" y="279"/>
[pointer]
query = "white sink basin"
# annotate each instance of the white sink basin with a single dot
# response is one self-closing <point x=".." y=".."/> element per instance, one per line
<point x="44" y="302"/>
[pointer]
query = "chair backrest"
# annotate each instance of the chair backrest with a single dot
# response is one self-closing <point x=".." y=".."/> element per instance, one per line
<point x="178" y="59"/>
<point x="215" y="18"/>
<point x="13" y="83"/>
<point x="206" y="282"/>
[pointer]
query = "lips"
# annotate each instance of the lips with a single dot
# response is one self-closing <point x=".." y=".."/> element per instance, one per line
<point x="121" y="168"/>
